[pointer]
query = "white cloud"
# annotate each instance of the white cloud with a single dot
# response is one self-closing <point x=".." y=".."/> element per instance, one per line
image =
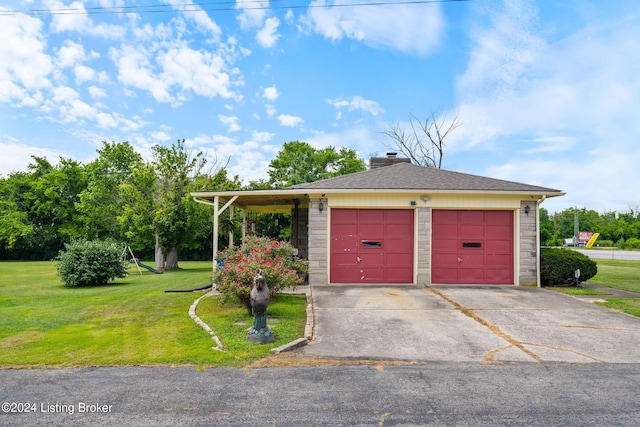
<point x="25" y="67"/>
<point x="16" y="157"/>
<point x="571" y="101"/>
<point x="231" y="122"/>
<point x="268" y="35"/>
<point x="173" y="73"/>
<point x="362" y="139"/>
<point x="357" y="103"/>
<point x="200" y="17"/>
<point x="136" y="70"/>
<point x="271" y="93"/>
<point x="70" y="54"/>
<point x="289" y="120"/>
<point x="271" y="110"/>
<point x="254" y="15"/>
<point x="80" y="22"/>
<point x="263" y="136"/>
<point x="408" y="28"/>
<point x="160" y="136"/>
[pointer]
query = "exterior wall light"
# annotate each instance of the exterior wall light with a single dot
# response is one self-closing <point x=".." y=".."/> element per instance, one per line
<point x="320" y="206"/>
<point x="526" y="210"/>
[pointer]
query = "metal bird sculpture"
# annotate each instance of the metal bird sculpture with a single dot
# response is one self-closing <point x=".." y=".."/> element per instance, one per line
<point x="260" y="300"/>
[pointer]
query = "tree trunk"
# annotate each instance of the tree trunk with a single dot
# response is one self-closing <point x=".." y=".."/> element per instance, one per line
<point x="172" y="259"/>
<point x="159" y="255"/>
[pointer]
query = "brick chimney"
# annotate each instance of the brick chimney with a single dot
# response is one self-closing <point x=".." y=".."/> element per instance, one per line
<point x="391" y="159"/>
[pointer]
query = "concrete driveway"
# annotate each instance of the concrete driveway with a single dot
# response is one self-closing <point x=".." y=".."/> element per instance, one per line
<point x="485" y="324"/>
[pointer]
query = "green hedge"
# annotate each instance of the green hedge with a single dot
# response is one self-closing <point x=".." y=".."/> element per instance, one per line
<point x="557" y="266"/>
<point x="91" y="262"/>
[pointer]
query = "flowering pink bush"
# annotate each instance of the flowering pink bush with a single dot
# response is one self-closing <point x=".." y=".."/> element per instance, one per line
<point x="276" y="259"/>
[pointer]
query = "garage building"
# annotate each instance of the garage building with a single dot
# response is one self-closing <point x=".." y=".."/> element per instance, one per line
<point x="407" y="224"/>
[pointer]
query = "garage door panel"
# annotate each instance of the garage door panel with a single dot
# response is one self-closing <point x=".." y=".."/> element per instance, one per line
<point x="498" y="275"/>
<point x="379" y="243"/>
<point x="345" y="259"/>
<point x="471" y="275"/>
<point x="399" y="231"/>
<point x="499" y="217"/>
<point x="343" y="230"/>
<point x="445" y="260"/>
<point x="399" y="275"/>
<point x="375" y="216"/>
<point x="399" y="260"/>
<point x="344" y="216"/>
<point x="371" y="231"/>
<point x="471" y="217"/>
<point x="499" y="260"/>
<point x="344" y="245"/>
<point x="469" y="260"/>
<point x="446" y="245"/>
<point x="499" y="246"/>
<point x="472" y="247"/>
<point x="471" y="231"/>
<point x="443" y="275"/>
<point x="346" y="275"/>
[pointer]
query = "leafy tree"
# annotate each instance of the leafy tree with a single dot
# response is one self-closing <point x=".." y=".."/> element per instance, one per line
<point x="39" y="212"/>
<point x="159" y="207"/>
<point x="102" y="202"/>
<point x="175" y="170"/>
<point x="13" y="224"/>
<point x="548" y="236"/>
<point x="298" y="162"/>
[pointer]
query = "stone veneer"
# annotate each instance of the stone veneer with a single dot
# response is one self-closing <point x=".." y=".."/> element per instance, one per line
<point x="528" y="242"/>
<point x="424" y="246"/>
<point x="318" y="241"/>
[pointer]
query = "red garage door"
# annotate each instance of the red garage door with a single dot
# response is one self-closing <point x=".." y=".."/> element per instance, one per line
<point x="474" y="247"/>
<point x="371" y="246"/>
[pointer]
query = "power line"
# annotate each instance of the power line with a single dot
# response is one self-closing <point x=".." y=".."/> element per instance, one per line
<point x="205" y="7"/>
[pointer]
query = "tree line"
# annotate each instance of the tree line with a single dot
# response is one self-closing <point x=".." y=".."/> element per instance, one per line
<point x="144" y="203"/>
<point x="616" y="229"/>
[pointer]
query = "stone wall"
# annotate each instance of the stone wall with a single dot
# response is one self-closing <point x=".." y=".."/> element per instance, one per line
<point x="424" y="246"/>
<point x="318" y="241"/>
<point x="528" y="245"/>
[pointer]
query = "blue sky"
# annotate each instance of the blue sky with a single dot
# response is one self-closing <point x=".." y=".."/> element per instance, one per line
<point x="548" y="92"/>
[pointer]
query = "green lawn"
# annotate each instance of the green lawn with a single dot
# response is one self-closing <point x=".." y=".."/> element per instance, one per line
<point x="623" y="275"/>
<point x="578" y="291"/>
<point x="129" y="322"/>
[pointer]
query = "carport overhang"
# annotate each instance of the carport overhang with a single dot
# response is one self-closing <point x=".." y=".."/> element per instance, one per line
<point x="260" y="201"/>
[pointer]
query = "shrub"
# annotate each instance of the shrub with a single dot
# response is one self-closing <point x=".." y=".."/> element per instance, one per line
<point x="276" y="259"/>
<point x="90" y="262"/>
<point x="557" y="266"/>
<point x="632" y="243"/>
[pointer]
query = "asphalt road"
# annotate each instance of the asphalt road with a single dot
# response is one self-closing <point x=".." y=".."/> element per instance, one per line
<point x="364" y="395"/>
<point x="612" y="254"/>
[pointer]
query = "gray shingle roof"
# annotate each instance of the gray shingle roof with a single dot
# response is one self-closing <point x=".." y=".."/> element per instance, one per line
<point x="406" y="176"/>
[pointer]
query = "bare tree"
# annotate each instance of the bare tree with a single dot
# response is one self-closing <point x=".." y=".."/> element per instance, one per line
<point x="424" y="142"/>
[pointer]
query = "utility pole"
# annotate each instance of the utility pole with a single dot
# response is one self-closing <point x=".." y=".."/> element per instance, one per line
<point x="576" y="227"/>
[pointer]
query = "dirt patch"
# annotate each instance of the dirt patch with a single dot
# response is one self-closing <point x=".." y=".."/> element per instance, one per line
<point x="299" y="360"/>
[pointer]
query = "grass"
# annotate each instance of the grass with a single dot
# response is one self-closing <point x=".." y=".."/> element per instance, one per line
<point x="624" y="275"/>
<point x="129" y="322"/>
<point x="628" y="305"/>
<point x="579" y="291"/>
